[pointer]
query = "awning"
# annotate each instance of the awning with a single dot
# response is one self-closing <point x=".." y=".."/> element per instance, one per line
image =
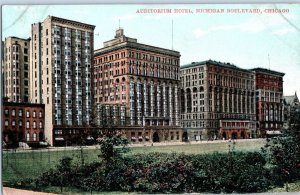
<point x="140" y="137"/>
<point x="59" y="139"/>
<point x="273" y="132"/>
<point x="146" y="137"/>
<point x="133" y="138"/>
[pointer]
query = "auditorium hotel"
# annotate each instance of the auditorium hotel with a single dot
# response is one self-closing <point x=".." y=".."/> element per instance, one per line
<point x="136" y="89"/>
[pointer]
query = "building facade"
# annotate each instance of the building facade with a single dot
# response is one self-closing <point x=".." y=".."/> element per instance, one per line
<point x="269" y="101"/>
<point x="61" y="75"/>
<point x="291" y="104"/>
<point x="22" y="122"/>
<point x="217" y="101"/>
<point x="16" y="69"/>
<point x="138" y="84"/>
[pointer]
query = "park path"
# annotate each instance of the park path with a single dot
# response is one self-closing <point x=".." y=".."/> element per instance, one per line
<point x="14" y="191"/>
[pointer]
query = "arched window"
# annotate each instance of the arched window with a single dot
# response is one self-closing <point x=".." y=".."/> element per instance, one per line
<point x="27" y="136"/>
<point x="34" y="137"/>
<point x="27" y="124"/>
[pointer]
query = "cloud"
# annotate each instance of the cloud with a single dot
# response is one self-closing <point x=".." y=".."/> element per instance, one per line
<point x="125" y="17"/>
<point x="283" y="31"/>
<point x="81" y="12"/>
<point x="253" y="25"/>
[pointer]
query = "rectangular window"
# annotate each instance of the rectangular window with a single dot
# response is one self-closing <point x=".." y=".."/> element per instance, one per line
<point x="34" y="114"/>
<point x="27" y="124"/>
<point x="6" y="123"/>
<point x="20" y="112"/>
<point x="13" y="112"/>
<point x="20" y="123"/>
<point x="27" y="114"/>
<point x="13" y="123"/>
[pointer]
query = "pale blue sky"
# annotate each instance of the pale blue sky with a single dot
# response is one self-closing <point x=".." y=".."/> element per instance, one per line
<point x="242" y="39"/>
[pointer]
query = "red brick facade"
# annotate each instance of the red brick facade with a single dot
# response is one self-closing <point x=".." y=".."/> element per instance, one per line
<point x="22" y="122"/>
<point x="269" y="101"/>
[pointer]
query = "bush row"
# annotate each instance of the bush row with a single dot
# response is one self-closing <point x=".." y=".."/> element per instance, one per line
<point x="159" y="172"/>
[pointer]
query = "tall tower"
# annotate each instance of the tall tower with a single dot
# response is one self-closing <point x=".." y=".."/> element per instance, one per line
<point x="61" y="75"/>
<point x="16" y="69"/>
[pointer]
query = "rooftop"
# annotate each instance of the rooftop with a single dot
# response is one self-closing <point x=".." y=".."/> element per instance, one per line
<point x="268" y="71"/>
<point x="213" y="62"/>
<point x="120" y="41"/>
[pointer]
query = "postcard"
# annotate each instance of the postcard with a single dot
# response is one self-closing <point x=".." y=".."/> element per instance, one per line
<point x="150" y="98"/>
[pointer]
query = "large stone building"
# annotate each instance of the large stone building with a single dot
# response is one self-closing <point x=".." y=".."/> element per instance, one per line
<point x="16" y="69"/>
<point x="269" y="101"/>
<point x="217" y="101"/>
<point x="22" y="122"/>
<point x="136" y="89"/>
<point x="61" y="75"/>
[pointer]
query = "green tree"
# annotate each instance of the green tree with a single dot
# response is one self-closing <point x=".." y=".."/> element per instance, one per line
<point x="283" y="152"/>
<point x="112" y="145"/>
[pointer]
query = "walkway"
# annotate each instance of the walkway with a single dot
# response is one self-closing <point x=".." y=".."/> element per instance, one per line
<point x="13" y="191"/>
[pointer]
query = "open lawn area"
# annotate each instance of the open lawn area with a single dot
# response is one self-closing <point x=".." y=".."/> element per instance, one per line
<point x="30" y="164"/>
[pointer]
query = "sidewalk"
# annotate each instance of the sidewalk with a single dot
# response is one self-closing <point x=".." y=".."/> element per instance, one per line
<point x="13" y="191"/>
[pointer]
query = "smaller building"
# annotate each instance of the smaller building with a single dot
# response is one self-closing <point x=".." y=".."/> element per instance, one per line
<point x="291" y="103"/>
<point x="22" y="122"/>
<point x="15" y="69"/>
<point x="269" y="102"/>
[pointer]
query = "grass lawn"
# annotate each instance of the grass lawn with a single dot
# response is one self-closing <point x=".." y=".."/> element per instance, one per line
<point x="31" y="164"/>
<point x="292" y="187"/>
<point x="203" y="147"/>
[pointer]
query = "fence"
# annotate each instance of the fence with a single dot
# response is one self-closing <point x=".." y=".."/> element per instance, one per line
<point x="17" y="164"/>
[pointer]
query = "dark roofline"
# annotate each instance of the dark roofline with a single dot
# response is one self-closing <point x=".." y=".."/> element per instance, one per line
<point x="132" y="45"/>
<point x="22" y="104"/>
<point x="213" y="62"/>
<point x="264" y="70"/>
<point x="25" y="39"/>
<point x="72" y="21"/>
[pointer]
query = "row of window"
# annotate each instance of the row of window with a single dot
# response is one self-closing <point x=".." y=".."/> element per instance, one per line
<point x="34" y="124"/>
<point x="139" y="56"/>
<point x="20" y="113"/>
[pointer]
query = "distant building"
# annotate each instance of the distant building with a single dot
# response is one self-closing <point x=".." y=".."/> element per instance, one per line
<point x="61" y="76"/>
<point x="291" y="103"/>
<point x="16" y="69"/>
<point x="269" y="101"/>
<point x="217" y="101"/>
<point x="136" y="89"/>
<point x="23" y="122"/>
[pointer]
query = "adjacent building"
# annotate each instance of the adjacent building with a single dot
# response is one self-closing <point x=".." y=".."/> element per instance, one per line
<point x="136" y="89"/>
<point x="61" y="75"/>
<point x="291" y="104"/>
<point x="217" y="100"/>
<point x="269" y="102"/>
<point x="16" y="69"/>
<point x="22" y="122"/>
